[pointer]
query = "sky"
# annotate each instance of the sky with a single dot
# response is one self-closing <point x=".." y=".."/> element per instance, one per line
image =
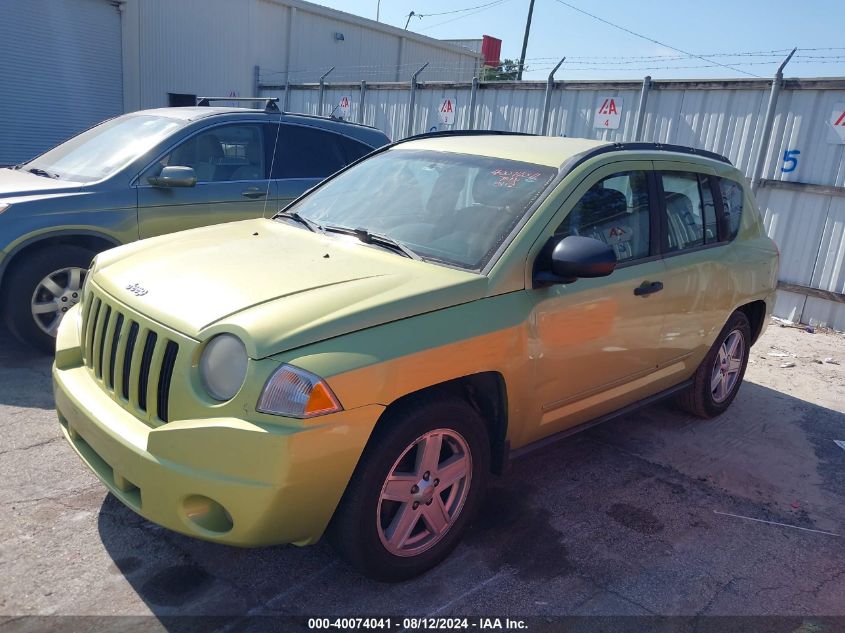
<point x="762" y="33"/>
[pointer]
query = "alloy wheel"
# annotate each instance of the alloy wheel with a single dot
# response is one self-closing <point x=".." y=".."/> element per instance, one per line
<point x="727" y="366"/>
<point x="424" y="492"/>
<point x="54" y="295"/>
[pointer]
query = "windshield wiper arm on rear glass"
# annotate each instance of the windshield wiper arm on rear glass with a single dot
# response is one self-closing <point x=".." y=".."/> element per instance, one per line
<point x="293" y="215"/>
<point x="375" y="238"/>
<point x="41" y="172"/>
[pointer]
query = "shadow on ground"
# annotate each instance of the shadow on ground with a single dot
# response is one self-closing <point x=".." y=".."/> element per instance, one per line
<point x="655" y="513"/>
<point x="25" y="379"/>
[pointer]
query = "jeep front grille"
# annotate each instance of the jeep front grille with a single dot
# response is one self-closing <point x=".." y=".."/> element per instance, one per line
<point x="133" y="360"/>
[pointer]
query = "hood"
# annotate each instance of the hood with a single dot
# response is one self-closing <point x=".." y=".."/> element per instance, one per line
<point x="276" y="286"/>
<point x="18" y="183"/>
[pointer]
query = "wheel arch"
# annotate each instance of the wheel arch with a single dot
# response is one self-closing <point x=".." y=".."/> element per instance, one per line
<point x="756" y="313"/>
<point x="92" y="240"/>
<point x="486" y="392"/>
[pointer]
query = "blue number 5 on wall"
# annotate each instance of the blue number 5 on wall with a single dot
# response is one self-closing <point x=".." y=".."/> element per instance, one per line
<point x="790" y="160"/>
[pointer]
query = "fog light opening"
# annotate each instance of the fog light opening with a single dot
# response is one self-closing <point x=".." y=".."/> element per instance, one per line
<point x="207" y="514"/>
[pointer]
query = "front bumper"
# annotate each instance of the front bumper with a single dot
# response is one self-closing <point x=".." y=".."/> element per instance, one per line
<point x="223" y="479"/>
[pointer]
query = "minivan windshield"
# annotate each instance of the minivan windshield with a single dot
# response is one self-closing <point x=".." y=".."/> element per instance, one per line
<point x="101" y="151"/>
<point x="446" y="207"/>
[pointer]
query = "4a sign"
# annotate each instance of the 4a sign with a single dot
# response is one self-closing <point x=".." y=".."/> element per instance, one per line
<point x="608" y="113"/>
<point x="343" y="106"/>
<point x="837" y="122"/>
<point x="446" y="111"/>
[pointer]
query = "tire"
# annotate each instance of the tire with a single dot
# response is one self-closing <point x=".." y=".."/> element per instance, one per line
<point x="703" y="398"/>
<point x="364" y="527"/>
<point x="24" y="292"/>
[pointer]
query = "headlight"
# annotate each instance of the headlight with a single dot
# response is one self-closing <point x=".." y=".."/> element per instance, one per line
<point x="4" y="206"/>
<point x="223" y="365"/>
<point x="296" y="393"/>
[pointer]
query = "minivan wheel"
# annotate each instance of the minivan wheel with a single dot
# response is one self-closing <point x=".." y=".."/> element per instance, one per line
<point x="41" y="289"/>
<point x="717" y="380"/>
<point x="417" y="486"/>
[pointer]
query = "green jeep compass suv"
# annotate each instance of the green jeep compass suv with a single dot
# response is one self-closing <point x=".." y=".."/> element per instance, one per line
<point x="144" y="174"/>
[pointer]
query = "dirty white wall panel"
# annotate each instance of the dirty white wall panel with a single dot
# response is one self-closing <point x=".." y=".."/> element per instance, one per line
<point x="829" y="266"/>
<point x="514" y="110"/>
<point x="825" y="313"/>
<point x="795" y="221"/>
<point x="60" y="72"/>
<point x="427" y="109"/>
<point x="572" y="113"/>
<point x="802" y="124"/>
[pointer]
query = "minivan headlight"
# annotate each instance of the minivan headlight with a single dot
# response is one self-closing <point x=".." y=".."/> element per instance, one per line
<point x="296" y="393"/>
<point x="223" y="366"/>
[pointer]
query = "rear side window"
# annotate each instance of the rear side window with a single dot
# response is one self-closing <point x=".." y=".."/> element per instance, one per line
<point x="732" y="196"/>
<point x="353" y="149"/>
<point x="690" y="210"/>
<point x="306" y="152"/>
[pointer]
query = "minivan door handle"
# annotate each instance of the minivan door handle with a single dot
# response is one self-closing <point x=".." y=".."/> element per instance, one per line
<point x="254" y="193"/>
<point x="648" y="287"/>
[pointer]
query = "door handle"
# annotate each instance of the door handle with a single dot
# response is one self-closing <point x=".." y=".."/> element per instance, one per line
<point x="647" y="288"/>
<point x="253" y="193"/>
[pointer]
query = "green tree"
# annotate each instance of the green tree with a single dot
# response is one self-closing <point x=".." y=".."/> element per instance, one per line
<point x="507" y="71"/>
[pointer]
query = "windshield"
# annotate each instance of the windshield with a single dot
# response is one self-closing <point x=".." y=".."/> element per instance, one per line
<point x="104" y="149"/>
<point x="452" y="208"/>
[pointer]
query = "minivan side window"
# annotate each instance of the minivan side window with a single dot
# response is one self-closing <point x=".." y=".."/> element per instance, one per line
<point x="690" y="210"/>
<point x="615" y="210"/>
<point x="732" y="196"/>
<point x="307" y="152"/>
<point x="220" y="154"/>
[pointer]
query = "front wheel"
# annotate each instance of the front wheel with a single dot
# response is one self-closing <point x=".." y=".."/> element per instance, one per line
<point x="717" y="380"/>
<point x="41" y="289"/>
<point x="419" y="483"/>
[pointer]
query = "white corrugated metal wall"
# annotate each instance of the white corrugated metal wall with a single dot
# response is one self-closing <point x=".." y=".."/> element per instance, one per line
<point x="60" y="72"/>
<point x="211" y="47"/>
<point x="808" y="223"/>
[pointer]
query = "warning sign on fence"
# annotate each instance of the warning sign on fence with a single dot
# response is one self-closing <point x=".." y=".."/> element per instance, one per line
<point x="343" y="107"/>
<point x="837" y="121"/>
<point x="608" y="113"/>
<point x="447" y="111"/>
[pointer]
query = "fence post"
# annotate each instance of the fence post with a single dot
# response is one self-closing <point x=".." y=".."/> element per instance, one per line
<point x="322" y="89"/>
<point x="286" y="106"/>
<point x="409" y="126"/>
<point x="472" y="95"/>
<point x="361" y="102"/>
<point x="255" y="80"/>
<point x="638" y="130"/>
<point x="768" y="122"/>
<point x="547" y="102"/>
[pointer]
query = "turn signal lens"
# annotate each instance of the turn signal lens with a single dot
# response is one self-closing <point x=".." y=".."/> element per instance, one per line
<point x="296" y="393"/>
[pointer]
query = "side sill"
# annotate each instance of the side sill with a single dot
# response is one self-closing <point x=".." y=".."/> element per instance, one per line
<point x="551" y="439"/>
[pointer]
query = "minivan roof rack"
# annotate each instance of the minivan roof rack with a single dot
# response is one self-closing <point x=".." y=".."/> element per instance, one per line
<point x="271" y="104"/>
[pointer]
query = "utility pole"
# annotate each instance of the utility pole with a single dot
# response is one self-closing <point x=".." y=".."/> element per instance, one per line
<point x="412" y="14"/>
<point x="378" y="8"/>
<point x="525" y="40"/>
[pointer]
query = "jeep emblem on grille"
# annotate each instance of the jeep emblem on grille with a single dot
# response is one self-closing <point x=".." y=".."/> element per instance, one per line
<point x="137" y="289"/>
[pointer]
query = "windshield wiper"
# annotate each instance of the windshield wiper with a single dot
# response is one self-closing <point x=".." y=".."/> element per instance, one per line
<point x="375" y="238"/>
<point x="293" y="215"/>
<point x="40" y="172"/>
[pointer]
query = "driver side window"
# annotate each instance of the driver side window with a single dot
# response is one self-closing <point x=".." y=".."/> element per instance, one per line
<point x="615" y="211"/>
<point x="221" y="154"/>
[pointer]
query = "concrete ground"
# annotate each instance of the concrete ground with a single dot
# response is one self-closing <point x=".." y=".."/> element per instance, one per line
<point x="655" y="513"/>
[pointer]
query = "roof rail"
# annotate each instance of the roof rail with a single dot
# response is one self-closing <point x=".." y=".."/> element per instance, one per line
<point x="664" y="147"/>
<point x="271" y="104"/>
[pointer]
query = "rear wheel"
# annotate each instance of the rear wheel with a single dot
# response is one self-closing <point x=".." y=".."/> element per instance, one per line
<point x="717" y="380"/>
<point x="418" y="485"/>
<point x="39" y="291"/>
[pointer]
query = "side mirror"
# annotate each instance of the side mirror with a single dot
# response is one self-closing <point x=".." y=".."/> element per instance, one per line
<point x="174" y="176"/>
<point x="574" y="257"/>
